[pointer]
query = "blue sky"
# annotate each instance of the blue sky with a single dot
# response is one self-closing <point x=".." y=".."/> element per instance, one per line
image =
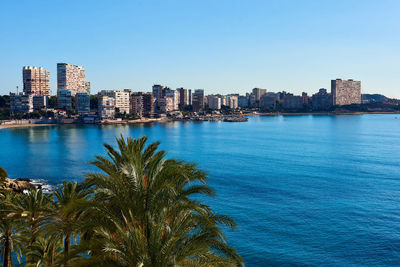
<point x="225" y="46"/>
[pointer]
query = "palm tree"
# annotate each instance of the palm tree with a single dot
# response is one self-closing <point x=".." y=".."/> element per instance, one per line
<point x="35" y="209"/>
<point x="44" y="251"/>
<point x="66" y="219"/>
<point x="10" y="228"/>
<point x="143" y="214"/>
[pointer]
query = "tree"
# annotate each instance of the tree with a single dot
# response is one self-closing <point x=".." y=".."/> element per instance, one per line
<point x="142" y="212"/>
<point x="10" y="238"/>
<point x="35" y="209"/>
<point x="66" y="217"/>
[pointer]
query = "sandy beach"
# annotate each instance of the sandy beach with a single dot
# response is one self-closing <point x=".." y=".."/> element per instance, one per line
<point x="8" y="126"/>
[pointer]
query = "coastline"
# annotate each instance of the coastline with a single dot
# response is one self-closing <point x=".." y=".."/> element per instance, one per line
<point x="22" y="125"/>
<point x="111" y="122"/>
<point x="318" y="113"/>
<point x="106" y="122"/>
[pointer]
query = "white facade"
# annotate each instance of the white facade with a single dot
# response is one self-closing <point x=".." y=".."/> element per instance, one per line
<point x="122" y="101"/>
<point x="214" y="102"/>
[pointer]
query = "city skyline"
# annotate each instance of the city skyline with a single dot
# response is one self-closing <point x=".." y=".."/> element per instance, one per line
<point x="225" y="47"/>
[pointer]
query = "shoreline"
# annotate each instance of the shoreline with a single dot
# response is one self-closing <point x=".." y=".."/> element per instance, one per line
<point x="110" y="122"/>
<point x="23" y="125"/>
<point x="106" y="122"/>
<point x="320" y="113"/>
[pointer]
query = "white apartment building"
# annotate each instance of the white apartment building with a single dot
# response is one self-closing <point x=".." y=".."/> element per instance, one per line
<point x="122" y="101"/>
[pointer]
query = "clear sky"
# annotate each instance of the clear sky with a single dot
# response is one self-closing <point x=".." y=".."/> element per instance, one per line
<point x="225" y="46"/>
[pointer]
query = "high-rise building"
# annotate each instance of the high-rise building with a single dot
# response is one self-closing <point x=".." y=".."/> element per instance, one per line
<point x="345" y="92"/>
<point x="214" y="102"/>
<point x="148" y="105"/>
<point x="82" y="103"/>
<point x="106" y="107"/>
<point x="233" y="101"/>
<point x="72" y="77"/>
<point x="174" y="94"/>
<point x="243" y="101"/>
<point x="158" y="91"/>
<point x="183" y="97"/>
<point x="64" y="99"/>
<point x="258" y="93"/>
<point x="36" y="81"/>
<point x="198" y="100"/>
<point x="190" y="96"/>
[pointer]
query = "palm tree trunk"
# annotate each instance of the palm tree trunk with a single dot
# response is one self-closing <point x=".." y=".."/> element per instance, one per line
<point x="67" y="241"/>
<point x="6" y="261"/>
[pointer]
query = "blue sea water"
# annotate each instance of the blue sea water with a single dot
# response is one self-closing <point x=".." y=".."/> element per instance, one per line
<point x="304" y="190"/>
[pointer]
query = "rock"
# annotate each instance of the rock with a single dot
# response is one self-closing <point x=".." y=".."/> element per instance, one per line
<point x="17" y="185"/>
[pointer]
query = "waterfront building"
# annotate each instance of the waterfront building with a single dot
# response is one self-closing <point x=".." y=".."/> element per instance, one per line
<point x="243" y="101"/>
<point x="106" y="107"/>
<point x="224" y="100"/>
<point x="71" y="77"/>
<point x="40" y="102"/>
<point x="214" y="102"/>
<point x="306" y="98"/>
<point x="345" y="92"/>
<point x="190" y="96"/>
<point x="253" y="100"/>
<point x="183" y="97"/>
<point x="122" y="101"/>
<point x="148" y="105"/>
<point x="21" y="103"/>
<point x="36" y="81"/>
<point x="174" y="94"/>
<point x="158" y="91"/>
<point x="233" y="101"/>
<point x="82" y="103"/>
<point x="292" y="102"/>
<point x="258" y="93"/>
<point x="64" y="99"/>
<point x="198" y="100"/>
<point x="137" y="104"/>
<point x="268" y="101"/>
<point x="321" y="101"/>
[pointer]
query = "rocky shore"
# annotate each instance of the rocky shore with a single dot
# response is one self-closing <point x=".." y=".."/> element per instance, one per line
<point x="17" y="185"/>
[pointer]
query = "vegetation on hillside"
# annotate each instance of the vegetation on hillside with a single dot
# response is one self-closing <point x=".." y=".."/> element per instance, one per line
<point x="138" y="210"/>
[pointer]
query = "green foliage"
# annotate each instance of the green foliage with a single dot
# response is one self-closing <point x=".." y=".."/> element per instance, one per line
<point x="138" y="210"/>
<point x="53" y="102"/>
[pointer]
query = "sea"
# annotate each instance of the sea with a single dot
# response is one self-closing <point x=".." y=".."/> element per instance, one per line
<point x="307" y="190"/>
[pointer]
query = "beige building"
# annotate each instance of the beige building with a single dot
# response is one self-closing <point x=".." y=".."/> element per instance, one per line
<point x="345" y="92"/>
<point x="122" y="101"/>
<point x="72" y="78"/>
<point x="36" y="81"/>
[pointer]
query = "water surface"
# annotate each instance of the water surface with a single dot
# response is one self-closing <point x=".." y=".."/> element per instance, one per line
<point x="305" y="190"/>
